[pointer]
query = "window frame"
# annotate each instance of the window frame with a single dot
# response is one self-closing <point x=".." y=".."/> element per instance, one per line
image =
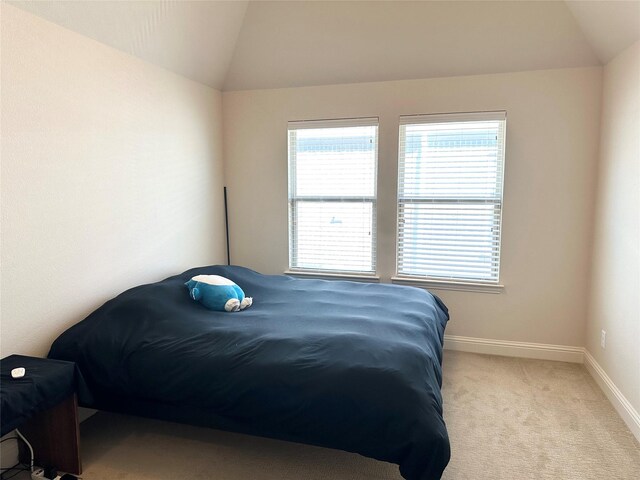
<point x="452" y="283"/>
<point x="293" y="200"/>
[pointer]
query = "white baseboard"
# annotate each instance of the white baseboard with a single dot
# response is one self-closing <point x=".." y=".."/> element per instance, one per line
<point x="629" y="415"/>
<point x="507" y="348"/>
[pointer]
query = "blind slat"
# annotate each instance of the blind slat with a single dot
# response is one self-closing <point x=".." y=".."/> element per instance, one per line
<point x="332" y="195"/>
<point x="450" y="180"/>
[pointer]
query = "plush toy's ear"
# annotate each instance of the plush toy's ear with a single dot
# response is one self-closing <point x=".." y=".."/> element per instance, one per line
<point x="196" y="294"/>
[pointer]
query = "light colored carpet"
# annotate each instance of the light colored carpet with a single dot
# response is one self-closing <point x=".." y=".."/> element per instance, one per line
<point x="523" y="419"/>
<point x="508" y="418"/>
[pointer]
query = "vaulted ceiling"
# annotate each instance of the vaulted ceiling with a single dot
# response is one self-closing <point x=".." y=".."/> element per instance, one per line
<point x="235" y="45"/>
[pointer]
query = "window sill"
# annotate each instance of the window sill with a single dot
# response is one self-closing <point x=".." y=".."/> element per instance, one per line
<point x="449" y="285"/>
<point x="354" y="277"/>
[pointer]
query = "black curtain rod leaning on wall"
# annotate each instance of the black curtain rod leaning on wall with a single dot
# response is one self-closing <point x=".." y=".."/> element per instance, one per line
<point x="226" y="223"/>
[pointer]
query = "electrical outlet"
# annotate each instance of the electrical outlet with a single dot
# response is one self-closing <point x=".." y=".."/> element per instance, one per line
<point x="603" y="339"/>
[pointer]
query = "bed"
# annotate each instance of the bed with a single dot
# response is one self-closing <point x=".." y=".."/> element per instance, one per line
<point x="345" y="365"/>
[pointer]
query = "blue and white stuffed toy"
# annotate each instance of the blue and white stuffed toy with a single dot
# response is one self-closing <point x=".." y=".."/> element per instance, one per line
<point x="218" y="293"/>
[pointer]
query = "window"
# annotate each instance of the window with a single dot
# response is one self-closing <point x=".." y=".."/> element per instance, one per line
<point x="332" y="195"/>
<point x="450" y="178"/>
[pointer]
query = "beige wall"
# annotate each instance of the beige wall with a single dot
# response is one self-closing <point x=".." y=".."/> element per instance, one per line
<point x="615" y="289"/>
<point x="111" y="177"/>
<point x="552" y="140"/>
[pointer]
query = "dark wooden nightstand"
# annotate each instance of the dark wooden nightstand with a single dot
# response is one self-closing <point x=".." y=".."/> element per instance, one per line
<point x="43" y="406"/>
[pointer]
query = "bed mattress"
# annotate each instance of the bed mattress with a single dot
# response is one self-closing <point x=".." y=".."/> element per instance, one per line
<point x="346" y="365"/>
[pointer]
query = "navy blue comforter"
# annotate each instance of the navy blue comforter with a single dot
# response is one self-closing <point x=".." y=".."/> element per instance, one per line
<point x="346" y="365"/>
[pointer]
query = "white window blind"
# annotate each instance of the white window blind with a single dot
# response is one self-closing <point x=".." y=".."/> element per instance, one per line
<point x="332" y="195"/>
<point x="450" y="182"/>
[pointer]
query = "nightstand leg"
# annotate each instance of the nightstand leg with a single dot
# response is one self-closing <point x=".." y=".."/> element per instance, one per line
<point x="55" y="437"/>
